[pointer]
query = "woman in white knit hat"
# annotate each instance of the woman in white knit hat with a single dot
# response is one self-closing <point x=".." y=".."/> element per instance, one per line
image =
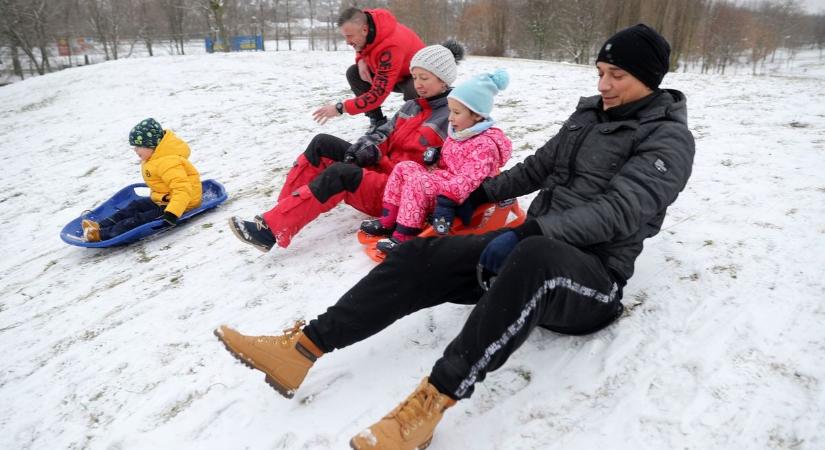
<point x="332" y="170"/>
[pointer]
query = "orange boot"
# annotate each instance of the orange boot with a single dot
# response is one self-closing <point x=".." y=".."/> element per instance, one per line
<point x="410" y="425"/>
<point x="285" y="359"/>
<point x="91" y="230"/>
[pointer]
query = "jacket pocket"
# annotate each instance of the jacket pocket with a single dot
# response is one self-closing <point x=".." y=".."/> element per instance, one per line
<point x="609" y="147"/>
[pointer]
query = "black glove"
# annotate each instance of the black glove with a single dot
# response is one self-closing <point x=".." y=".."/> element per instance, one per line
<point x="170" y="218"/>
<point x="497" y="251"/>
<point x="477" y="198"/>
<point x="367" y="155"/>
<point x="349" y="154"/>
<point x="444" y="214"/>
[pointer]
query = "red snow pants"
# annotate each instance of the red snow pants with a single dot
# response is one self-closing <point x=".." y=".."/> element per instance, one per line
<point x="311" y="189"/>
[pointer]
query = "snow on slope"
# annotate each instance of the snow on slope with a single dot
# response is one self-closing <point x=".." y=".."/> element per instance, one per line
<point x="722" y="347"/>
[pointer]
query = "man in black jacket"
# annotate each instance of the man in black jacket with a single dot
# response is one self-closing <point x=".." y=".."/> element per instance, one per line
<point x="604" y="181"/>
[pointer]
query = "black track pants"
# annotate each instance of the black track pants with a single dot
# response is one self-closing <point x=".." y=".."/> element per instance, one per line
<point x="543" y="282"/>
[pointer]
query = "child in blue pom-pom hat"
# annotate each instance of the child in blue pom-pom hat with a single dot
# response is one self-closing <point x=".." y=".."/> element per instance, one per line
<point x="474" y="150"/>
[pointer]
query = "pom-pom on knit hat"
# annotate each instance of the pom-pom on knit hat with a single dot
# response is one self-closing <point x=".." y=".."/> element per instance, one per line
<point x="477" y="93"/>
<point x="147" y="133"/>
<point x="441" y="60"/>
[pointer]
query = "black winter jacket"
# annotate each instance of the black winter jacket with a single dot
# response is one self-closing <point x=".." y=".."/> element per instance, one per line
<point x="605" y="185"/>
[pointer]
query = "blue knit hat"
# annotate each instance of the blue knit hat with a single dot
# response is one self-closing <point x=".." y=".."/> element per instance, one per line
<point x="477" y="92"/>
<point x="147" y="133"/>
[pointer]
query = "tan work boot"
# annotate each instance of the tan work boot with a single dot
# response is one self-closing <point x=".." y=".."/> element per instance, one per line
<point x="410" y="425"/>
<point x="285" y="359"/>
<point x="91" y="230"/>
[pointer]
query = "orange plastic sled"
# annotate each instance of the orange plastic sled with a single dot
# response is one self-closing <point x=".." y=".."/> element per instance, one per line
<point x="488" y="217"/>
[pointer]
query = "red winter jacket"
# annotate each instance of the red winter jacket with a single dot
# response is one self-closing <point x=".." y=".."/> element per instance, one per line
<point x="420" y="123"/>
<point x="388" y="58"/>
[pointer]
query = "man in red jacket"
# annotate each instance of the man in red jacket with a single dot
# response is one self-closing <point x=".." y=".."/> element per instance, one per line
<point x="383" y="49"/>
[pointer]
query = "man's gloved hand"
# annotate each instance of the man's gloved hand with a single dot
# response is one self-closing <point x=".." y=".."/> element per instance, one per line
<point x="444" y="214"/>
<point x="170" y="218"/>
<point x="477" y="198"/>
<point x="496" y="252"/>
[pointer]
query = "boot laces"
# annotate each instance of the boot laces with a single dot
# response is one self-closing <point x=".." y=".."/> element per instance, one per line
<point x="291" y="333"/>
<point x="415" y="409"/>
<point x="285" y="339"/>
<point x="259" y="222"/>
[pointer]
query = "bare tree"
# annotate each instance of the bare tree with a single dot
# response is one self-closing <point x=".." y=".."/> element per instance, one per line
<point x="288" y="25"/>
<point x="147" y="30"/>
<point x="684" y="24"/>
<point x="217" y="8"/>
<point x="25" y="24"/>
<point x="819" y="33"/>
<point x="483" y="26"/>
<point x="432" y="20"/>
<point x="11" y="28"/>
<point x="311" y="24"/>
<point x="175" y="13"/>
<point x="99" y="20"/>
<point x="579" y="30"/>
<point x="262" y="22"/>
<point x="537" y="20"/>
<point x="331" y="8"/>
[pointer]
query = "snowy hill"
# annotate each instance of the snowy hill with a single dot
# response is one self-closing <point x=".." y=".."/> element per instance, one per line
<point x="722" y="346"/>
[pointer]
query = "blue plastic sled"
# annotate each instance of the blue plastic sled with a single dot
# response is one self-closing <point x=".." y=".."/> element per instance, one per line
<point x="213" y="195"/>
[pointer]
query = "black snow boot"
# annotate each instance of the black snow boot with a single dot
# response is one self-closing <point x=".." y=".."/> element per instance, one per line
<point x="374" y="228"/>
<point x="387" y="246"/>
<point x="255" y="233"/>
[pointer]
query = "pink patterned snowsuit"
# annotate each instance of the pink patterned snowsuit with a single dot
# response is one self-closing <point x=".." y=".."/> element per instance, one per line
<point x="462" y="167"/>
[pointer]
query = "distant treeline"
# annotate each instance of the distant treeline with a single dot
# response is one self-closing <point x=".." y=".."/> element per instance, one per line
<point x="705" y="34"/>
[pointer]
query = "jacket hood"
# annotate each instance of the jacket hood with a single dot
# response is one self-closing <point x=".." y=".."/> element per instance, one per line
<point x="385" y="24"/>
<point x="505" y="147"/>
<point x="672" y="105"/>
<point x="171" y="145"/>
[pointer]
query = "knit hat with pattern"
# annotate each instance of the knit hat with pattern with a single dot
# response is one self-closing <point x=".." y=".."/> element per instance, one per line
<point x="147" y="133"/>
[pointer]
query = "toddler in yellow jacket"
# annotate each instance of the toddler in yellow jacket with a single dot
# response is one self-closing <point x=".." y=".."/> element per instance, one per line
<point x="174" y="182"/>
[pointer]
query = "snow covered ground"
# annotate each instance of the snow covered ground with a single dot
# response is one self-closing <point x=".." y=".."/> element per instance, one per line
<point x="722" y="346"/>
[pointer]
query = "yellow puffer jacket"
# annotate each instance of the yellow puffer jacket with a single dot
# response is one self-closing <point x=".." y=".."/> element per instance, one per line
<point x="173" y="180"/>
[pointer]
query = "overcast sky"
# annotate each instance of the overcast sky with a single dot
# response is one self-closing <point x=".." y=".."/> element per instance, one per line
<point x="814" y="6"/>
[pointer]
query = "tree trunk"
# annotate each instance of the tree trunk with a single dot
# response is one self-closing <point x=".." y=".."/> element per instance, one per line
<point x="261" y="23"/>
<point x="288" y="27"/>
<point x="277" y="27"/>
<point x="311" y="27"/>
<point x="217" y="7"/>
<point x="15" y="62"/>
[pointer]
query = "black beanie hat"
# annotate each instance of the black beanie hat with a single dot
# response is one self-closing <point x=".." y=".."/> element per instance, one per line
<point x="639" y="50"/>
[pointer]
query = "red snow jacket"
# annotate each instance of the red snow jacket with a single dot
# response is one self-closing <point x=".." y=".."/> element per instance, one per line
<point x="388" y="58"/>
<point x="419" y="124"/>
